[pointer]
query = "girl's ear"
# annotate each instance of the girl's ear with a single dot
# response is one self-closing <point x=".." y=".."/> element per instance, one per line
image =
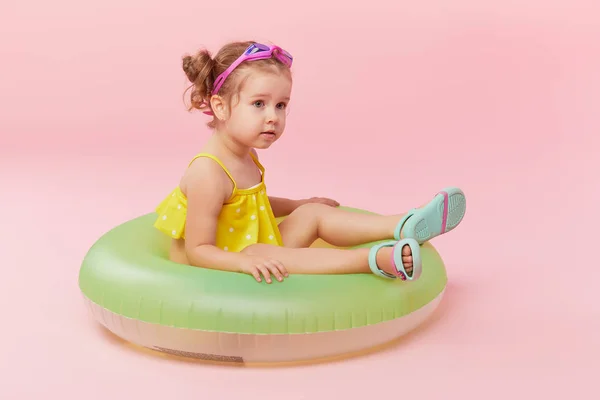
<point x="219" y="107"/>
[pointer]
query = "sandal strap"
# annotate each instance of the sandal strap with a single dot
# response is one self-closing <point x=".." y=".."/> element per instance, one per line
<point x="403" y="220"/>
<point x="416" y="257"/>
<point x="373" y="259"/>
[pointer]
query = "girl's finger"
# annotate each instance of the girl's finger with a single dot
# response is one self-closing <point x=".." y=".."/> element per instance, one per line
<point x="265" y="272"/>
<point x="281" y="268"/>
<point x="256" y="275"/>
<point x="275" y="270"/>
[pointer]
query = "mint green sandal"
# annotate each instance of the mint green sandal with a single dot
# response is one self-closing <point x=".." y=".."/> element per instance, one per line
<point x="441" y="215"/>
<point x="397" y="259"/>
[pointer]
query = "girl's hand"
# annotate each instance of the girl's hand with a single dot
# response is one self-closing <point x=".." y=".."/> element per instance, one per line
<point x="255" y="266"/>
<point x="321" y="200"/>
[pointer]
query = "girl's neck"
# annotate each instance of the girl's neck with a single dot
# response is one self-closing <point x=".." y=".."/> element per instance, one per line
<point x="228" y="145"/>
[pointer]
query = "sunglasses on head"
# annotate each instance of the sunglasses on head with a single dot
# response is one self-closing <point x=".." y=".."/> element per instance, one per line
<point x="255" y="51"/>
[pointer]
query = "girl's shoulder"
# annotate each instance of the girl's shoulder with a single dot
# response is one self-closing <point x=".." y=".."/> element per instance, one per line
<point x="208" y="172"/>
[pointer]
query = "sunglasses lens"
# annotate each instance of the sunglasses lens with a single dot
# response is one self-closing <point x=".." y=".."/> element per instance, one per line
<point x="261" y="47"/>
<point x="283" y="55"/>
<point x="252" y="49"/>
<point x="286" y="58"/>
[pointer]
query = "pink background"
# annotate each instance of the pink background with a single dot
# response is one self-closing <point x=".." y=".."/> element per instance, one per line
<point x="392" y="101"/>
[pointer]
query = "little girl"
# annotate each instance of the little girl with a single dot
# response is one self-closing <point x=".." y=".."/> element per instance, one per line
<point x="220" y="215"/>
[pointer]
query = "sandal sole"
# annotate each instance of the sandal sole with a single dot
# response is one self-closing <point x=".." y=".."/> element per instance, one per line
<point x="444" y="213"/>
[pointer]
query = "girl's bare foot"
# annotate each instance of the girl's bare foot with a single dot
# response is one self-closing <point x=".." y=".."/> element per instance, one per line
<point x="384" y="260"/>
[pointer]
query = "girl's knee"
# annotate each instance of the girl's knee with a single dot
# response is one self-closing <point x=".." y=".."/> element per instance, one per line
<point x="310" y="209"/>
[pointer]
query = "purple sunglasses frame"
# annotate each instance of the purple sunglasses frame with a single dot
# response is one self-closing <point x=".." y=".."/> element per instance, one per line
<point x="256" y="51"/>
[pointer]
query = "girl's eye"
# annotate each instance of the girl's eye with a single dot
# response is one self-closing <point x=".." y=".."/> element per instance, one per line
<point x="258" y="103"/>
<point x="281" y="105"/>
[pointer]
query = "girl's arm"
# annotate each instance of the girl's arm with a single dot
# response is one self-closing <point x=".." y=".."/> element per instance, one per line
<point x="207" y="187"/>
<point x="282" y="206"/>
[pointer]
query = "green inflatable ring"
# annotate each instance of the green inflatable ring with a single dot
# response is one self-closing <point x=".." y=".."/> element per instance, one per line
<point x="135" y="291"/>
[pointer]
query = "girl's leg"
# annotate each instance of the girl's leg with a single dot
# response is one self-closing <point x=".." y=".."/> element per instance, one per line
<point x="329" y="261"/>
<point x="335" y="225"/>
<point x="344" y="228"/>
<point x="340" y="228"/>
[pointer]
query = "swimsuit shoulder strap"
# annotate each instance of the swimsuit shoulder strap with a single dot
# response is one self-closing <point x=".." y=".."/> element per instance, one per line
<point x="258" y="164"/>
<point x="215" y="159"/>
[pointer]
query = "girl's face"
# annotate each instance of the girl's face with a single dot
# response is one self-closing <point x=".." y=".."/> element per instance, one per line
<point x="257" y="117"/>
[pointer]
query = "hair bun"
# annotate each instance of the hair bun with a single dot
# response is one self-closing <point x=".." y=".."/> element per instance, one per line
<point x="200" y="64"/>
<point x="189" y="68"/>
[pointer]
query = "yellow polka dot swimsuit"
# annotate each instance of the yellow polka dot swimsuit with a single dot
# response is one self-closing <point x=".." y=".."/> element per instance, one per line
<point x="246" y="217"/>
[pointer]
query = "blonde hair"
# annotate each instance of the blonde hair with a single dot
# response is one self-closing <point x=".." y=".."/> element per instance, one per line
<point x="202" y="70"/>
